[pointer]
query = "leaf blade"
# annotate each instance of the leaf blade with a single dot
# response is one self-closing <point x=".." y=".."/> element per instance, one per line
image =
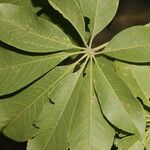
<point x="130" y="45"/>
<point x="21" y="70"/>
<point x="18" y="114"/>
<point x="30" y="33"/>
<point x="89" y="130"/>
<point x="65" y="134"/>
<point x="132" y="74"/>
<point x="130" y="143"/>
<point x="51" y="127"/>
<point x="72" y="12"/>
<point x="117" y="101"/>
<point x="100" y="13"/>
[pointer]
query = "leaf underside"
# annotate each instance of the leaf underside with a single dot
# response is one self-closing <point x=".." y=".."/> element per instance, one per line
<point x="58" y="95"/>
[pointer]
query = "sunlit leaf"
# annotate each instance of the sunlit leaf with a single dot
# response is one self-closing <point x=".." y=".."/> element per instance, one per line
<point x="76" y="121"/>
<point x="30" y="33"/>
<point x="99" y="13"/>
<point x="131" y="45"/>
<point x="130" y="143"/>
<point x="117" y="101"/>
<point x="18" y="113"/>
<point x="18" y="70"/>
<point x="54" y="129"/>
<point x="137" y="78"/>
<point x="58" y="91"/>
<point x="71" y="11"/>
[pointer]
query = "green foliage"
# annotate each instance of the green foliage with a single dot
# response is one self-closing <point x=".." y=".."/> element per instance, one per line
<point x="58" y="92"/>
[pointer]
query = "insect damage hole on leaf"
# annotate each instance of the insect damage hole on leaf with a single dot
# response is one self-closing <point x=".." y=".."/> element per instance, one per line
<point x="50" y="100"/>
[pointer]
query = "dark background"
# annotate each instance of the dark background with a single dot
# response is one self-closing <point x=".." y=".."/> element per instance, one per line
<point x="130" y="13"/>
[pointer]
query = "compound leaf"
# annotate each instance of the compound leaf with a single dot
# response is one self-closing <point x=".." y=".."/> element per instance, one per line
<point x="23" y="29"/>
<point x="131" y="45"/>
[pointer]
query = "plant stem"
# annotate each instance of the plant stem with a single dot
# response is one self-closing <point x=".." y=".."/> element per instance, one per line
<point x="100" y="47"/>
<point x="75" y="53"/>
<point x="84" y="56"/>
<point x="82" y="48"/>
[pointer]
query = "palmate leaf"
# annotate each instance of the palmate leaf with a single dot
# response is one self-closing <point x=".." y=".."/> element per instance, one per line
<point x="76" y="121"/>
<point x="18" y="70"/>
<point x="131" y="45"/>
<point x="77" y="106"/>
<point x="23" y="29"/>
<point x="100" y="13"/>
<point x="117" y="100"/>
<point x="137" y="78"/>
<point x="18" y="113"/>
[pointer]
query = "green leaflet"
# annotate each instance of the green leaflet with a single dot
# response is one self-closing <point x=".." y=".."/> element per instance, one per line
<point x="117" y="101"/>
<point x="137" y="78"/>
<point x="29" y="32"/>
<point x="71" y="10"/>
<point x="12" y="1"/>
<point x="89" y="130"/>
<point x="131" y="45"/>
<point x="76" y="121"/>
<point x="130" y="143"/>
<point x="20" y="70"/>
<point x="133" y="143"/>
<point x="54" y="120"/>
<point x="34" y="5"/>
<point x="18" y="113"/>
<point x="100" y="13"/>
<point x="27" y="3"/>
